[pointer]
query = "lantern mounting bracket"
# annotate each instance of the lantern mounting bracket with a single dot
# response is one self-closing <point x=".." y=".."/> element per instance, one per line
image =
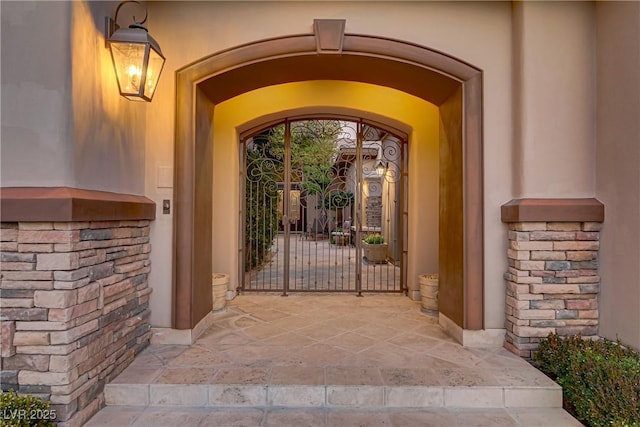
<point x="111" y="24"/>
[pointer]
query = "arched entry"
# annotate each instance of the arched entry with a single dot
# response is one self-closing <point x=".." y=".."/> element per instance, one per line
<point x="454" y="86"/>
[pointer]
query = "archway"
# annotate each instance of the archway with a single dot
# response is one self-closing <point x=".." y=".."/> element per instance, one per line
<point x="454" y="86"/>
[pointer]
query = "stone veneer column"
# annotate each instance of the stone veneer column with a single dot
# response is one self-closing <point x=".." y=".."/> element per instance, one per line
<point x="74" y="294"/>
<point x="552" y="282"/>
<point x="75" y="307"/>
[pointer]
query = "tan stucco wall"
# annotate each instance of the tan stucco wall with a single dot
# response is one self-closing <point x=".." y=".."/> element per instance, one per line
<point x="618" y="168"/>
<point x="63" y="122"/>
<point x="36" y="147"/>
<point x="108" y="130"/>
<point x="554" y="64"/>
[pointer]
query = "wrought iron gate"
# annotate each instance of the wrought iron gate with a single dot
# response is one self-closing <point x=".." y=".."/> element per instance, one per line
<point x="323" y="208"/>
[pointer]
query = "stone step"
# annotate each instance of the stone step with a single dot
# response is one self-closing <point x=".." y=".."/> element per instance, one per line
<point x="332" y="396"/>
<point x="140" y="416"/>
<point x="329" y="353"/>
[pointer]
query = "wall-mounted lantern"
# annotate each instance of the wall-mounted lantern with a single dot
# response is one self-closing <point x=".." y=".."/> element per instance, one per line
<point x="381" y="167"/>
<point x="137" y="58"/>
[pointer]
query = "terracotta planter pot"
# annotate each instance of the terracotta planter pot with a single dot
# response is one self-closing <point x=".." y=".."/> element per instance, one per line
<point x="429" y="292"/>
<point x="219" y="285"/>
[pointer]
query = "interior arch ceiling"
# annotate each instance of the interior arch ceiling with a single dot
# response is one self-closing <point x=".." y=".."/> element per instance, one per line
<point x="432" y="86"/>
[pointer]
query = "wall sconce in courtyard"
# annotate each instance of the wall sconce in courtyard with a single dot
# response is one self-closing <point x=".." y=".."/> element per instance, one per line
<point x="137" y="58"/>
<point x="381" y="167"/>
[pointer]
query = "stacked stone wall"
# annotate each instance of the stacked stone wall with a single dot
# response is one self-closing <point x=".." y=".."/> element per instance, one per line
<point x="74" y="301"/>
<point x="552" y="282"/>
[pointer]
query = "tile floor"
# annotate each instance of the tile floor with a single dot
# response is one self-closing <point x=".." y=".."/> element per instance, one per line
<point x="329" y="360"/>
<point x="321" y="265"/>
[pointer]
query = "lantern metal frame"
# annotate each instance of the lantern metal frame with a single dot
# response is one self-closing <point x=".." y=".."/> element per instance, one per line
<point x="381" y="167"/>
<point x="136" y="34"/>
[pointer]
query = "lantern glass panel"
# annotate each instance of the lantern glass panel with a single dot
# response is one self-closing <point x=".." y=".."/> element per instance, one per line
<point x="128" y="60"/>
<point x="153" y="73"/>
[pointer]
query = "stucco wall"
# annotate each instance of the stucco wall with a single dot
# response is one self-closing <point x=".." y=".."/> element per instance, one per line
<point x="618" y="168"/>
<point x="63" y="121"/>
<point x="37" y="148"/>
<point x="108" y="130"/>
<point x="554" y="64"/>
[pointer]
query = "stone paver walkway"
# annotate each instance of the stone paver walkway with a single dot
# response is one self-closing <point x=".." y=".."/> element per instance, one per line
<point x="319" y="265"/>
<point x="329" y="360"/>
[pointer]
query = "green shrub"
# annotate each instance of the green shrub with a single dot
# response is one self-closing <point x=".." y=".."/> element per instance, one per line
<point x="24" y="411"/>
<point x="261" y="208"/>
<point x="374" y="239"/>
<point x="600" y="379"/>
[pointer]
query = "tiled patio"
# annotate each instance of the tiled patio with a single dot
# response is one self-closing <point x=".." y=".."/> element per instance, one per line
<point x="329" y="360"/>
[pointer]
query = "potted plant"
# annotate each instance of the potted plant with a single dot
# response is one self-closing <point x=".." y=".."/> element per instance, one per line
<point x="374" y="248"/>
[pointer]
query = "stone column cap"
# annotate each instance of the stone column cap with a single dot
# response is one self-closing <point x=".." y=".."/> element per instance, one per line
<point x="553" y="210"/>
<point x="66" y="204"/>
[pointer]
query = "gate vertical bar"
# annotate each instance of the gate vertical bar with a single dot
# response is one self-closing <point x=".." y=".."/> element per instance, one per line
<point x="404" y="215"/>
<point x="358" y="218"/>
<point x="286" y="202"/>
<point x="242" y="214"/>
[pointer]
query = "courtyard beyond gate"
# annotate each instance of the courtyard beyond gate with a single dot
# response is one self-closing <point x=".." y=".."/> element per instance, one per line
<point x="333" y="268"/>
